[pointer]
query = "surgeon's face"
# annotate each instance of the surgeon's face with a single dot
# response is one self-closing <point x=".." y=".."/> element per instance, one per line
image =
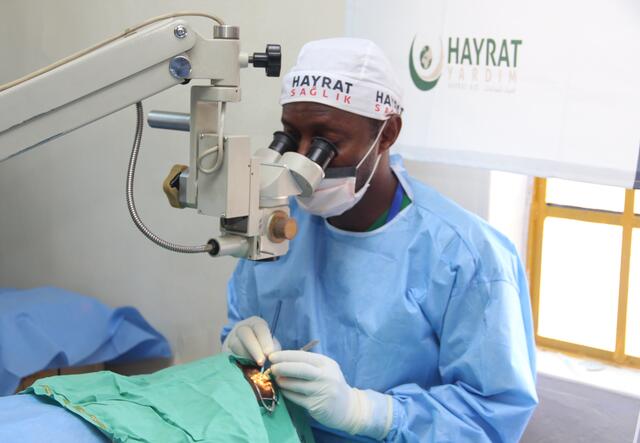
<point x="351" y="133"/>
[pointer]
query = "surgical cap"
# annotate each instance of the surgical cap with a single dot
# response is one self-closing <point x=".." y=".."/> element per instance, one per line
<point x="351" y="74"/>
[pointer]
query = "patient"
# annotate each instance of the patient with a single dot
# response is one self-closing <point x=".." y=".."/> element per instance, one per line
<point x="206" y="400"/>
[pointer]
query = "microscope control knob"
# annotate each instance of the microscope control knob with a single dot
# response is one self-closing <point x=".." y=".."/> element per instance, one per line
<point x="281" y="227"/>
<point x="270" y="60"/>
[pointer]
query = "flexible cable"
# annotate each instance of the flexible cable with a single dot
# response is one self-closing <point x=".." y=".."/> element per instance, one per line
<point x="217" y="149"/>
<point x="131" y="172"/>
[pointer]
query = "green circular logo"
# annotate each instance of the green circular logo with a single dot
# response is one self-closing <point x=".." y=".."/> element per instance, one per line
<point x="424" y="74"/>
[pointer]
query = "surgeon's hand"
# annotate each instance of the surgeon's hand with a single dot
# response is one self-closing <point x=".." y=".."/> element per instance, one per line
<point x="251" y="338"/>
<point x="316" y="383"/>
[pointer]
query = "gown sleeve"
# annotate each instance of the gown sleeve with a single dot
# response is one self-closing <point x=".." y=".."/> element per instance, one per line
<point x="487" y="368"/>
<point x="241" y="296"/>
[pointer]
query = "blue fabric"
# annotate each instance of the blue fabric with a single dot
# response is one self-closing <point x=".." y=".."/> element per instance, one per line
<point x="432" y="308"/>
<point x="396" y="203"/>
<point x="31" y="419"/>
<point x="46" y="328"/>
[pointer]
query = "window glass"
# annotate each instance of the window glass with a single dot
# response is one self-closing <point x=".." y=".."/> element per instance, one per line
<point x="633" y="303"/>
<point x="579" y="283"/>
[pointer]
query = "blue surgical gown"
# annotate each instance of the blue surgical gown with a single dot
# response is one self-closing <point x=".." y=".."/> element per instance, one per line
<point x="432" y="308"/>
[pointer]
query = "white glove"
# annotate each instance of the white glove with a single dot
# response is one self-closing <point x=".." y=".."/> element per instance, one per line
<point x="251" y="338"/>
<point x="316" y="383"/>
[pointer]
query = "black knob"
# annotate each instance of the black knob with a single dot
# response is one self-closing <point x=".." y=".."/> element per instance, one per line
<point x="270" y="60"/>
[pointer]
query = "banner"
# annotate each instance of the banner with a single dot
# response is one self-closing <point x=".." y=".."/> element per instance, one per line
<point x="545" y="88"/>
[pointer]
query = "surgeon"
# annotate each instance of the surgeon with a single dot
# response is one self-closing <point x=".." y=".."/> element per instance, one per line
<point x="421" y="308"/>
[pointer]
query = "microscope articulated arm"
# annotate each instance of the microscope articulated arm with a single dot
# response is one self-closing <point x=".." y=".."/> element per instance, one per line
<point x="119" y="74"/>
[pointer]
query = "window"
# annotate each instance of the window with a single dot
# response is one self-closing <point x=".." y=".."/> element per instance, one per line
<point x="633" y="303"/>
<point x="584" y="269"/>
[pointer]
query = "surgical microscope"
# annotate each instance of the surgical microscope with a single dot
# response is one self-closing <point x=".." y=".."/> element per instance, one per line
<point x="248" y="192"/>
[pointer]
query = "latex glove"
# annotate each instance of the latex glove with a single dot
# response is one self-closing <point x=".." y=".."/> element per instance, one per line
<point x="316" y="383"/>
<point x="251" y="338"/>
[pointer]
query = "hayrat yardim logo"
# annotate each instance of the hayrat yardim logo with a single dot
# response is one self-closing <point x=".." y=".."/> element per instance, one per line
<point x="486" y="64"/>
<point x="424" y="72"/>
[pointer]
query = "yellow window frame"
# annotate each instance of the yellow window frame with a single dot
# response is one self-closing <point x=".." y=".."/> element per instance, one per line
<point x="540" y="210"/>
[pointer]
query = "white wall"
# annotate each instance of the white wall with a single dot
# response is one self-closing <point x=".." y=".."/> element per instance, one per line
<point x="509" y="205"/>
<point x="469" y="187"/>
<point x="63" y="217"/>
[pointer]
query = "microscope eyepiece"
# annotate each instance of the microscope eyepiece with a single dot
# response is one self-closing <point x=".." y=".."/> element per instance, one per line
<point x="283" y="142"/>
<point x="322" y="151"/>
<point x="307" y="170"/>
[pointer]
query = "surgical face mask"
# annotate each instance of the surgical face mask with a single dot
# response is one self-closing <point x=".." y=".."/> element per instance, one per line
<point x="336" y="193"/>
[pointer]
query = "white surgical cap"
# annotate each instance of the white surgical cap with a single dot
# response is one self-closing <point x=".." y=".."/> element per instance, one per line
<point x="351" y="74"/>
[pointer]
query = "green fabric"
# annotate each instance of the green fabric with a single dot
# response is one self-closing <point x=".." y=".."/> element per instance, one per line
<point x="300" y="421"/>
<point x="380" y="221"/>
<point x="207" y="400"/>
